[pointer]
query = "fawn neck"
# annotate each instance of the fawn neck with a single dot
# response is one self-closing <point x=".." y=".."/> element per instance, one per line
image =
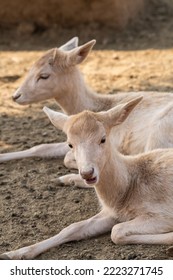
<point x="78" y="96"/>
<point x="113" y="182"/>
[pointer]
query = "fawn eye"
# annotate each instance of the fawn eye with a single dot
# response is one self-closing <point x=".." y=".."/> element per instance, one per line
<point x="43" y="76"/>
<point x="103" y="140"/>
<point x="70" y="145"/>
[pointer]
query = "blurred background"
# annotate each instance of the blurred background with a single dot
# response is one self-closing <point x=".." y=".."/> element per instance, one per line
<point x="48" y="22"/>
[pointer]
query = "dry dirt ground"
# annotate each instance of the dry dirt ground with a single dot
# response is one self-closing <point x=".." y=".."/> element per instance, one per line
<point x="32" y="208"/>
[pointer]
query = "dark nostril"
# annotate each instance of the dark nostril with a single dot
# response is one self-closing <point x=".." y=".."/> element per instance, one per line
<point x="15" y="97"/>
<point x="87" y="174"/>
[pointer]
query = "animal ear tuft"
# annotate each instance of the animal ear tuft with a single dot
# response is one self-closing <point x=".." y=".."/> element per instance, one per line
<point x="57" y="119"/>
<point x="119" y="113"/>
<point x="71" y="44"/>
<point x="80" y="53"/>
<point x="53" y="57"/>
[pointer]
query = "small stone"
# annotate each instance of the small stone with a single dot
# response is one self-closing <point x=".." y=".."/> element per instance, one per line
<point x="23" y="222"/>
<point x="31" y="189"/>
<point x="36" y="215"/>
<point x="14" y="214"/>
<point x="116" y="56"/>
<point x="45" y="194"/>
<point x="169" y="251"/>
<point x="38" y="196"/>
<point x="34" y="171"/>
<point x="132" y="256"/>
<point x="8" y="197"/>
<point x="51" y="188"/>
<point x="2" y="183"/>
<point x="4" y="115"/>
<point x="24" y="186"/>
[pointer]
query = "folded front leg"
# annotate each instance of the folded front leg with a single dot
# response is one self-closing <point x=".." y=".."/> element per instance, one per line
<point x="69" y="160"/>
<point x="72" y="180"/>
<point x="143" y="230"/>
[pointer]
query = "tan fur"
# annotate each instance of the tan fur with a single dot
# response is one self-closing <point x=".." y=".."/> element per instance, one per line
<point x="67" y="86"/>
<point x="135" y="192"/>
<point x="130" y="186"/>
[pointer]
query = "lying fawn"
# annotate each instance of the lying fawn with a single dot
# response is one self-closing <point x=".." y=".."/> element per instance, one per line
<point x="135" y="192"/>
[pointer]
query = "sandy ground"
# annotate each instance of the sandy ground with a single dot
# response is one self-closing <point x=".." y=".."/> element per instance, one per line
<point x="32" y="208"/>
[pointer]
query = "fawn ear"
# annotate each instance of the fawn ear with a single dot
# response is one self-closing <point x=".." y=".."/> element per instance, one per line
<point x="77" y="55"/>
<point x="118" y="114"/>
<point x="56" y="118"/>
<point x="71" y="44"/>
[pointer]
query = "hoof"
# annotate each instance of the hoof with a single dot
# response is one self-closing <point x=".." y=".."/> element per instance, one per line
<point x="4" y="257"/>
<point x="58" y="182"/>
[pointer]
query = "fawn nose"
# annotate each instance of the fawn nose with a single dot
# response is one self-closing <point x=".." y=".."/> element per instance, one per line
<point x="16" y="96"/>
<point x="87" y="174"/>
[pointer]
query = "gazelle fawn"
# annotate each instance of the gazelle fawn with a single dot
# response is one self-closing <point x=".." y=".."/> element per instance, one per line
<point x="135" y="192"/>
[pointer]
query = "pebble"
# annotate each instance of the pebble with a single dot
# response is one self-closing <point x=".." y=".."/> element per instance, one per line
<point x="116" y="56"/>
<point x="44" y="134"/>
<point x="51" y="188"/>
<point x="4" y="115"/>
<point x="45" y="194"/>
<point x="3" y="183"/>
<point x="14" y="215"/>
<point x="131" y="256"/>
<point x="8" y="197"/>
